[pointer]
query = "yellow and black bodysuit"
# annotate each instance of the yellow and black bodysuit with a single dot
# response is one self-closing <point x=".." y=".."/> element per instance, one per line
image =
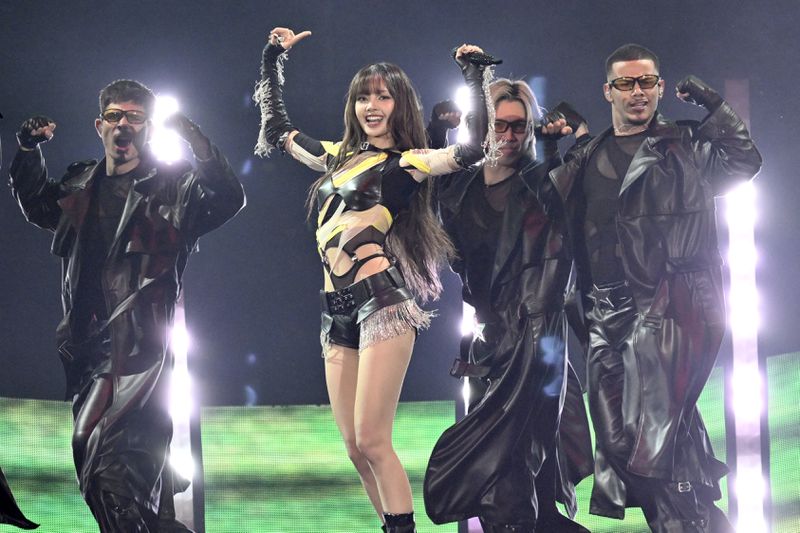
<point x="365" y="298"/>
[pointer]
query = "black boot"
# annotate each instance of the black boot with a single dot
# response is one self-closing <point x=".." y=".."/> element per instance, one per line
<point x="399" y="523"/>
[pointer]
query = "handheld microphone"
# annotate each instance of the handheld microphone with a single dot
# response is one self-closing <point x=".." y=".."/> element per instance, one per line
<point x="480" y="59"/>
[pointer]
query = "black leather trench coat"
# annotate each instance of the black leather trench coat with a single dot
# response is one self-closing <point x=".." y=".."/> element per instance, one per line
<point x="667" y="233"/>
<point x="167" y="209"/>
<point x="524" y="352"/>
<point x="9" y="511"/>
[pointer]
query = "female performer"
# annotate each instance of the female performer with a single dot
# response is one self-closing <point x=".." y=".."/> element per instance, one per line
<point x="372" y="183"/>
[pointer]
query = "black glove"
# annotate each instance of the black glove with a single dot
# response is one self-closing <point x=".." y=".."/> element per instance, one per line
<point x="437" y="127"/>
<point x="25" y="136"/>
<point x="480" y="59"/>
<point x="445" y="106"/>
<point x="275" y="119"/>
<point x="477" y="119"/>
<point x="562" y="110"/>
<point x="699" y="93"/>
<point x="190" y="132"/>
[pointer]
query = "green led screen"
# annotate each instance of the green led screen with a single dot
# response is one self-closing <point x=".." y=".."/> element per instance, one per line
<point x="284" y="469"/>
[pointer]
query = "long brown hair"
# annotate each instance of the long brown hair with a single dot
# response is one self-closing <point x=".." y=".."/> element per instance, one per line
<point x="416" y="239"/>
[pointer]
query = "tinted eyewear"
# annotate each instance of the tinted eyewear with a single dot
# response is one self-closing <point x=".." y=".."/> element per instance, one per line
<point x="626" y="83"/>
<point x="112" y="116"/>
<point x="518" y="126"/>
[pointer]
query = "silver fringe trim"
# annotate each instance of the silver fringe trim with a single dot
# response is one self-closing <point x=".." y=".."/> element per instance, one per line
<point x="393" y="321"/>
<point x="491" y="146"/>
<point x="261" y="96"/>
<point x="386" y="323"/>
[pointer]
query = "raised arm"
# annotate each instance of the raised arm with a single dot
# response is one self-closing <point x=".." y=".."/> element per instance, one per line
<point x="446" y="160"/>
<point x="211" y="194"/>
<point x="723" y="146"/>
<point x="277" y="130"/>
<point x="36" y="195"/>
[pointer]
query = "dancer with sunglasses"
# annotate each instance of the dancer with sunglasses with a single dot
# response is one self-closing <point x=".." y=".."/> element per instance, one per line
<point x="380" y="245"/>
<point x="640" y="200"/>
<point x="123" y="228"/>
<point x="504" y="461"/>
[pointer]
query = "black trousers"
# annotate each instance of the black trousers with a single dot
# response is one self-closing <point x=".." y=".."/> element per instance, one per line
<point x="669" y="506"/>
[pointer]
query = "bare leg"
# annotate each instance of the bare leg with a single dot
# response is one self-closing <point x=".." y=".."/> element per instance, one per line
<point x="341" y="375"/>
<point x="381" y="372"/>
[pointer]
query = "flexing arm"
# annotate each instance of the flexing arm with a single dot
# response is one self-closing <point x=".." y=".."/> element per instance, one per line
<point x="212" y="193"/>
<point x="723" y="146"/>
<point x="36" y="195"/>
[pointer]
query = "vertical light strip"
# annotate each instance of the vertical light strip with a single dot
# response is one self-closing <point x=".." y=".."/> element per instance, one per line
<point x="464" y="104"/>
<point x="181" y="407"/>
<point x="468" y="327"/>
<point x="747" y="382"/>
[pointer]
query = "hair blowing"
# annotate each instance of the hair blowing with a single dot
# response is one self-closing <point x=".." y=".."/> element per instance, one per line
<point x="416" y="238"/>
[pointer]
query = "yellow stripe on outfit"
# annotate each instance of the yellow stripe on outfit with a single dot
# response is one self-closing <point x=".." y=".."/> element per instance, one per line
<point x="324" y="237"/>
<point x="331" y="148"/>
<point x="350" y="173"/>
<point x="416" y="161"/>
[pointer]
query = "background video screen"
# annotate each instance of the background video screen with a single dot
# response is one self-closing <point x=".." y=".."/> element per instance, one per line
<point x="284" y="469"/>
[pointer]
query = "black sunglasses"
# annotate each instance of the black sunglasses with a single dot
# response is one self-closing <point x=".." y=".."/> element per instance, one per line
<point x="626" y="83"/>
<point x="518" y="126"/>
<point x="112" y="116"/>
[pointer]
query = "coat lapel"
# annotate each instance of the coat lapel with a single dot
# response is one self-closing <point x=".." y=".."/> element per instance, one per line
<point x="131" y="203"/>
<point x="647" y="155"/>
<point x="75" y="204"/>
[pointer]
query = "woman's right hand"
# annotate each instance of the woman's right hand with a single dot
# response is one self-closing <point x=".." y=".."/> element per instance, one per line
<point x="286" y="37"/>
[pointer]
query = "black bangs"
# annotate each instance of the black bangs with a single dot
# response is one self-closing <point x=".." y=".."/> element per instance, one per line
<point x="368" y="80"/>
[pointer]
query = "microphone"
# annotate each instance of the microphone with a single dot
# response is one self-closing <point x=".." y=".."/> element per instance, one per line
<point x="479" y="59"/>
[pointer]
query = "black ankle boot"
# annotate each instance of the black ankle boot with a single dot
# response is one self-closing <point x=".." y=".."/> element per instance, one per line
<point x="400" y="523"/>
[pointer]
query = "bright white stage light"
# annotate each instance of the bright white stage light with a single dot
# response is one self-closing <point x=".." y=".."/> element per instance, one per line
<point x="746" y="382"/>
<point x="750" y="494"/>
<point x="468" y="324"/>
<point x="181" y="407"/>
<point x="464" y="104"/>
<point x="183" y="464"/>
<point x="465" y="396"/>
<point x="468" y="327"/>
<point x="747" y="403"/>
<point x="744" y="317"/>
<point x="165" y="143"/>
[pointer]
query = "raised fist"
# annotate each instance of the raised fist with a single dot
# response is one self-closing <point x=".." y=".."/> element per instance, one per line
<point x="35" y="130"/>
<point x="447" y="112"/>
<point x="191" y="133"/>
<point x="695" y="91"/>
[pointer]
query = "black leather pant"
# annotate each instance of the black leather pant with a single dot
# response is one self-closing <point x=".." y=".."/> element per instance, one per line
<point x="668" y="506"/>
